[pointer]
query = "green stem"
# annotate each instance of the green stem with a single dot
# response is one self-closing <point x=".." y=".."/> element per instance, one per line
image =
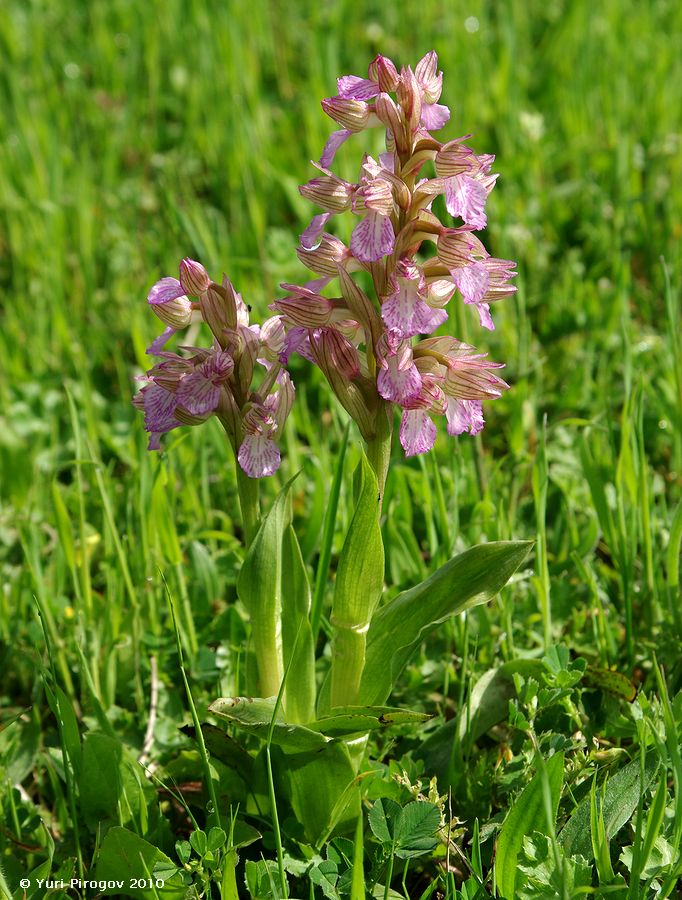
<point x="379" y="447"/>
<point x="249" y="502"/>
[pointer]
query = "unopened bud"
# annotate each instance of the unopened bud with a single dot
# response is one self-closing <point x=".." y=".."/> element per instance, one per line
<point x="389" y="115"/>
<point x="193" y="277"/>
<point x="310" y="310"/>
<point x="177" y="313"/>
<point x="409" y="99"/>
<point x="218" y="311"/>
<point x="386" y="74"/>
<point x="334" y="353"/>
<point x="350" y="114"/>
<point x="456" y="158"/>
<point x="326" y="257"/>
<point x="330" y="193"/>
<point x="458" y="248"/>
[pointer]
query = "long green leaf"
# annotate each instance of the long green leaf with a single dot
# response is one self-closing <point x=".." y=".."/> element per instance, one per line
<point x="526" y="815"/>
<point x="620" y="801"/>
<point x="297" y="635"/>
<point x="349" y="720"/>
<point x="471" y="578"/>
<point x="359" y="583"/>
<point x="260" y="590"/>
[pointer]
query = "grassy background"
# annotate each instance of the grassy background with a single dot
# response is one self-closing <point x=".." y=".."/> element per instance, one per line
<point x="134" y="134"/>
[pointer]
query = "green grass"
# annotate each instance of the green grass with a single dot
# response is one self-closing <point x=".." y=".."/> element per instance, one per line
<point x="132" y="134"/>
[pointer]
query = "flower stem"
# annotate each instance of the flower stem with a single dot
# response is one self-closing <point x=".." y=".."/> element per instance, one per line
<point x="249" y="502"/>
<point x="379" y="447"/>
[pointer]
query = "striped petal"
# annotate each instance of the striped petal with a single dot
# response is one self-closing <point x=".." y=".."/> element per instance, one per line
<point x="464" y="415"/>
<point x="465" y="197"/>
<point x="336" y="138"/>
<point x="372" y="238"/>
<point x="472" y="281"/>
<point x="417" y="432"/>
<point x="259" y="456"/>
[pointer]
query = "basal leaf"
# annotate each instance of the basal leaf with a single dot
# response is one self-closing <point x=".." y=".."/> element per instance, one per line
<point x="125" y="856"/>
<point x="489" y="701"/>
<point x="100" y="784"/>
<point x="621" y="797"/>
<point x="471" y="578"/>
<point x="324" y="795"/>
<point x="526" y="816"/>
<point x="254" y="715"/>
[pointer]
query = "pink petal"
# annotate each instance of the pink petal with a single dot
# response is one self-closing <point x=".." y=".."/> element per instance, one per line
<point x="373" y="238"/>
<point x="464" y="415"/>
<point x="434" y="116"/>
<point x="406" y="313"/>
<point x="484" y="316"/>
<point x="258" y="456"/>
<point x="352" y="87"/>
<point x="157" y="345"/>
<point x="387" y="161"/>
<point x="165" y="290"/>
<point x="336" y="138"/>
<point x="399" y="386"/>
<point x="472" y="281"/>
<point x="159" y="407"/>
<point x="465" y="197"/>
<point x="197" y="394"/>
<point x="310" y="239"/>
<point x="417" y="432"/>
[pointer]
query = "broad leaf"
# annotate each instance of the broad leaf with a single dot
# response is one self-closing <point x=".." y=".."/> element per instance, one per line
<point x="125" y="856"/>
<point x="526" y="816"/>
<point x="621" y="797"/>
<point x="100" y="784"/>
<point x="254" y="715"/>
<point x="489" y="701"/>
<point x="224" y="748"/>
<point x="407" y="831"/>
<point x="471" y="578"/>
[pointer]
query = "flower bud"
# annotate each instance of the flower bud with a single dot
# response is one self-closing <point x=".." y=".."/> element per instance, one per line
<point x="218" y="311"/>
<point x="409" y="98"/>
<point x="458" y="248"/>
<point x="329" y="192"/>
<point x="193" y="277"/>
<point x="455" y="158"/>
<point x="326" y="257"/>
<point x="334" y="353"/>
<point x="177" y="313"/>
<point x="386" y="74"/>
<point x="350" y="114"/>
<point x="309" y="310"/>
<point x="389" y="115"/>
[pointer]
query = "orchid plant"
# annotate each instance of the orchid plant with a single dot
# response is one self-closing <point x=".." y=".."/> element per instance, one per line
<point x="378" y="351"/>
